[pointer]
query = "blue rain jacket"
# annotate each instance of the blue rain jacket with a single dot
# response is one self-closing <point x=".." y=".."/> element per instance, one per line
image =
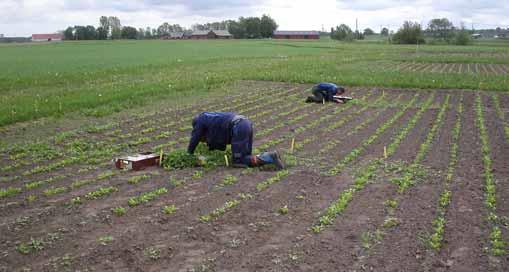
<point x="214" y="127"/>
<point x="329" y="90"/>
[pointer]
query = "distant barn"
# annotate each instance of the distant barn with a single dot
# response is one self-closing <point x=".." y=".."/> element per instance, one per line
<point x="173" y="36"/>
<point x="211" y="34"/>
<point x="47" y="37"/>
<point x="314" y="35"/>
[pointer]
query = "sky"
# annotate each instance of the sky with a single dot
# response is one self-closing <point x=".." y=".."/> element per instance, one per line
<point x="25" y="17"/>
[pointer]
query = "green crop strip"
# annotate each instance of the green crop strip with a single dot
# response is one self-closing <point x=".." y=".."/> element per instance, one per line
<point x="498" y="245"/>
<point x="228" y="205"/>
<point x="436" y="239"/>
<point x="301" y="129"/>
<point x="146" y="197"/>
<point x="501" y="115"/>
<point x="268" y="182"/>
<point x="410" y="172"/>
<point x="103" y="191"/>
<point x="365" y="174"/>
<point x="90" y="154"/>
<point x="10" y="191"/>
<point x="380" y="130"/>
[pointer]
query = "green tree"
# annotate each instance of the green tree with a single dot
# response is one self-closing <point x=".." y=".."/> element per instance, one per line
<point x="236" y="29"/>
<point x="69" y="33"/>
<point x="409" y="33"/>
<point x="441" y="28"/>
<point x="102" y="33"/>
<point x="342" y="33"/>
<point x="163" y="30"/>
<point x="104" y="23"/>
<point x="148" y="33"/>
<point x="267" y="26"/>
<point x="368" y="31"/>
<point x="141" y="34"/>
<point x="115" y="26"/>
<point x="462" y="37"/>
<point x="252" y="26"/>
<point x="129" y="32"/>
<point x="385" y="31"/>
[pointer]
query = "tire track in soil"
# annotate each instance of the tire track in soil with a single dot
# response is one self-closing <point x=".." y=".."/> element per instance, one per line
<point x="416" y="210"/>
<point x="272" y="248"/>
<point x="118" y="199"/>
<point x="221" y="201"/>
<point x="500" y="157"/>
<point x="466" y="231"/>
<point x="365" y="212"/>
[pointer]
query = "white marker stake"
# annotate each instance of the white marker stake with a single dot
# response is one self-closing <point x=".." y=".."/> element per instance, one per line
<point x="226" y="160"/>
<point x="292" y="145"/>
<point x="161" y="157"/>
<point x="385" y="152"/>
<point x="323" y="101"/>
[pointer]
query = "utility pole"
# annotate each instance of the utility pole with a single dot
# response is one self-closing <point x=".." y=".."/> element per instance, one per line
<point x="356" y="28"/>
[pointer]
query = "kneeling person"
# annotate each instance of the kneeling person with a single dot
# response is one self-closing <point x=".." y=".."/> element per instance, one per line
<point x="219" y="129"/>
<point x="325" y="92"/>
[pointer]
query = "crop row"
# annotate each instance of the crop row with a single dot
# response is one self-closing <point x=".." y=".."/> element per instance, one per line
<point x="333" y="143"/>
<point x="501" y="115"/>
<point x="90" y="157"/>
<point x="409" y="172"/>
<point x="498" y="245"/>
<point x="357" y="151"/>
<point x="91" y="129"/>
<point x="367" y="172"/>
<point x="42" y="150"/>
<point x="310" y="125"/>
<point x="230" y="204"/>
<point x="475" y="68"/>
<point x="437" y="237"/>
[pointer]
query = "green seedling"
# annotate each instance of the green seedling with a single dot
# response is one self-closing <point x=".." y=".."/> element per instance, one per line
<point x="76" y="201"/>
<point x="31" y="198"/>
<point x="228" y="180"/>
<point x="119" y="211"/>
<point x="169" y="209"/>
<point x="137" y="179"/>
<point x="105" y="240"/>
<point x="197" y="174"/>
<point x="391" y="222"/>
<point x="152" y="253"/>
<point x="283" y="210"/>
<point x="177" y="183"/>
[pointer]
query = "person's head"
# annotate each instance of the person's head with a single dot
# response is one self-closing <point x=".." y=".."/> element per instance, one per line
<point x="341" y="90"/>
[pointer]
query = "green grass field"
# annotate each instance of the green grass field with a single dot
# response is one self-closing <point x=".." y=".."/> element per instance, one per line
<point x="99" y="78"/>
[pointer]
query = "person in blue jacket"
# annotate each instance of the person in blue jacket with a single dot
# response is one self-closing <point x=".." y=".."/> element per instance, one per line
<point x="325" y="92"/>
<point x="219" y="129"/>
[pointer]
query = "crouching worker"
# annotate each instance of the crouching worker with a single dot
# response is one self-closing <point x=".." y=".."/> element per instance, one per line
<point x="219" y="129"/>
<point x="323" y="92"/>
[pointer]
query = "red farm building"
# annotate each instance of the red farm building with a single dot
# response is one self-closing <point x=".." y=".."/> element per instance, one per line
<point x="47" y="37"/>
<point x="211" y="34"/>
<point x="313" y="35"/>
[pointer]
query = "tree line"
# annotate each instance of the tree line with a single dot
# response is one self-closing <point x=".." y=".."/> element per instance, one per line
<point x="439" y="30"/>
<point x="110" y="27"/>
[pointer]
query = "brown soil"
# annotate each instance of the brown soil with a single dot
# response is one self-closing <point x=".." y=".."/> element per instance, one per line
<point x="254" y="235"/>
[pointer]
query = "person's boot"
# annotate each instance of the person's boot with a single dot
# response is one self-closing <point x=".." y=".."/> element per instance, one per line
<point x="270" y="158"/>
<point x="310" y="99"/>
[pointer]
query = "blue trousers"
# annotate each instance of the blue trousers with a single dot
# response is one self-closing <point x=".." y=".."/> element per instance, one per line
<point x="242" y="142"/>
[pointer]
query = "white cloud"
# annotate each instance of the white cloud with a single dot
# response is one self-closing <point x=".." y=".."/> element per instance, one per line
<point x="24" y="17"/>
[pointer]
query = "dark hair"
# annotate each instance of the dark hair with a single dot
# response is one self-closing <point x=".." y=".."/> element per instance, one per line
<point x="341" y="90"/>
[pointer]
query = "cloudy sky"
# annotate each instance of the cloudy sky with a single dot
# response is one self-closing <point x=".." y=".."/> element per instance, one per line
<point x="24" y="17"/>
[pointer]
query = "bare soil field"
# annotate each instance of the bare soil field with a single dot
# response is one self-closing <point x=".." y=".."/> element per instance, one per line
<point x="396" y="180"/>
